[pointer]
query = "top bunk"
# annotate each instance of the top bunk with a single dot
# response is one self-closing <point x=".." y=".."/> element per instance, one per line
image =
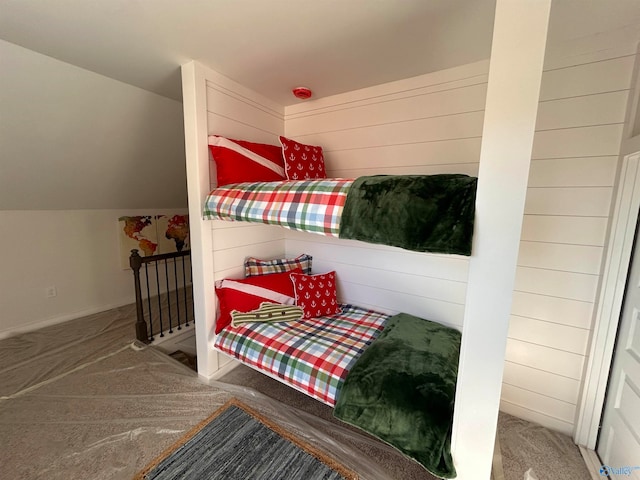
<point x="287" y="186"/>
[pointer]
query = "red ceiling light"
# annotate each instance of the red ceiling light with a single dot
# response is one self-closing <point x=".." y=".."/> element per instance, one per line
<point x="302" y="92"/>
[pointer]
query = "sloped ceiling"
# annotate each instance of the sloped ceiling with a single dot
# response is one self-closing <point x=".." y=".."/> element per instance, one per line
<point x="271" y="46"/>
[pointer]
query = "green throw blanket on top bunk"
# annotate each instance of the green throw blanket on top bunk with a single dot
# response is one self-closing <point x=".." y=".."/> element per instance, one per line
<point x="425" y="213"/>
<point x="402" y="390"/>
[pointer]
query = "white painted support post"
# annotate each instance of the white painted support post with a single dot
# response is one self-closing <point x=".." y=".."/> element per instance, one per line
<point x="195" y="128"/>
<point x="515" y="71"/>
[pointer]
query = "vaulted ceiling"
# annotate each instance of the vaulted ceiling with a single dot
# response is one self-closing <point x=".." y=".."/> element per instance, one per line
<point x="271" y="46"/>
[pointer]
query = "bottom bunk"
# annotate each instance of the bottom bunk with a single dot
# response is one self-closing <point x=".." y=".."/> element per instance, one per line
<point x="312" y="355"/>
<point x="391" y="376"/>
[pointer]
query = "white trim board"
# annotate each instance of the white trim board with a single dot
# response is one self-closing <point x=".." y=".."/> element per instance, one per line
<point x="513" y="92"/>
<point x="29" y="327"/>
<point x="618" y="256"/>
<point x="592" y="461"/>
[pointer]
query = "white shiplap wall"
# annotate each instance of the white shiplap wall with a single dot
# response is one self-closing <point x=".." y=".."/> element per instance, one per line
<point x="433" y="124"/>
<point x="426" y="124"/>
<point x="214" y="104"/>
<point x="234" y="115"/>
<point x="571" y="184"/>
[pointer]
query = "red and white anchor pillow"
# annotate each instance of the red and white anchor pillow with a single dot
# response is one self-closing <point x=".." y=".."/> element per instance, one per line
<point x="246" y="294"/>
<point x="240" y="161"/>
<point x="316" y="294"/>
<point x="302" y="162"/>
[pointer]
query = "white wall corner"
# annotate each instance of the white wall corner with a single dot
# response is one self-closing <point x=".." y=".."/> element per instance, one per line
<point x="631" y="137"/>
<point x="197" y="159"/>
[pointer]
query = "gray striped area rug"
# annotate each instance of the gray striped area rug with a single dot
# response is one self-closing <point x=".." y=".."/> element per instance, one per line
<point x="238" y="443"/>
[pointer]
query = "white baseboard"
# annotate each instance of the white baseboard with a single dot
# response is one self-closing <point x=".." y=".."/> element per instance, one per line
<point x="592" y="461"/>
<point x="497" y="470"/>
<point x="29" y="327"/>
<point x="222" y="371"/>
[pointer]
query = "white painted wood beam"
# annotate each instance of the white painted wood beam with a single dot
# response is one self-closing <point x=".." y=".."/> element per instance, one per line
<point x="515" y="71"/>
<point x="195" y="127"/>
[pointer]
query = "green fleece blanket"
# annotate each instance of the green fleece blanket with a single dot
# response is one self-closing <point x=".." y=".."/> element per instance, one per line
<point x="425" y="213"/>
<point x="402" y="389"/>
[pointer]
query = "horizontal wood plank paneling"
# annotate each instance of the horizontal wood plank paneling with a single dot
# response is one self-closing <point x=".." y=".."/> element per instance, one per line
<point x="430" y="124"/>
<point x="544" y="383"/>
<point x="554" y="283"/>
<point x="416" y="105"/>
<point x="439" y="80"/>
<point x="590" y="78"/>
<point x="226" y="127"/>
<point x="241" y="233"/>
<point x="563" y="411"/>
<point x="234" y="257"/>
<point x="352" y="252"/>
<point x="569" y="201"/>
<point x="592" y="141"/>
<point x="243" y="111"/>
<point x="571" y="183"/>
<point x="442" y="152"/>
<point x="449" y="127"/>
<point x="558" y="256"/>
<point x="389" y="301"/>
<point x="553" y="335"/>
<point x="410" y="284"/>
<point x="574" y="172"/>
<point x="586" y="110"/>
<point x="463" y="168"/>
<point x="592" y="49"/>
<point x="235" y="113"/>
<point x="545" y="358"/>
<point x="560" y="310"/>
<point x="563" y="229"/>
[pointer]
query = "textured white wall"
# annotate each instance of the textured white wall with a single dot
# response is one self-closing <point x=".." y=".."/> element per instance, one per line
<point x="77" y="150"/>
<point x="73" y="139"/>
<point x="75" y="251"/>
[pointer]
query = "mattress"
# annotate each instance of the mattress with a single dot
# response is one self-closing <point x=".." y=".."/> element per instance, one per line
<point x="306" y="205"/>
<point x="313" y="356"/>
<point x="421" y="213"/>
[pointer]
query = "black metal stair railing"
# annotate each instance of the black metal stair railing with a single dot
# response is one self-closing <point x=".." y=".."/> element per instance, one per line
<point x="166" y="300"/>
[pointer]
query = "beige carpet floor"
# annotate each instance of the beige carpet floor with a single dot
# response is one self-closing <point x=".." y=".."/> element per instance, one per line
<point x="77" y="401"/>
<point x="550" y="455"/>
<point x="523" y="445"/>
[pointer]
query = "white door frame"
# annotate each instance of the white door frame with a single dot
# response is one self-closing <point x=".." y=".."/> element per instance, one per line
<point x="623" y="226"/>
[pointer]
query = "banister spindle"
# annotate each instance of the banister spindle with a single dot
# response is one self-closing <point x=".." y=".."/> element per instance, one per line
<point x="135" y="262"/>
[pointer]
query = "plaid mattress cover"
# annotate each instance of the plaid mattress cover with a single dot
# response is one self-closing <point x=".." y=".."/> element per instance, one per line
<point x="307" y="205"/>
<point x="314" y="356"/>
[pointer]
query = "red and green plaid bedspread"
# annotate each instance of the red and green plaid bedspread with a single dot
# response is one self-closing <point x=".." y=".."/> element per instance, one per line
<point x="314" y="356"/>
<point x="307" y="205"/>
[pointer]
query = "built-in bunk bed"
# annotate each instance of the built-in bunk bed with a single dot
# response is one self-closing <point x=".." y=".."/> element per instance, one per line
<point x="228" y="254"/>
<point x="391" y="375"/>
